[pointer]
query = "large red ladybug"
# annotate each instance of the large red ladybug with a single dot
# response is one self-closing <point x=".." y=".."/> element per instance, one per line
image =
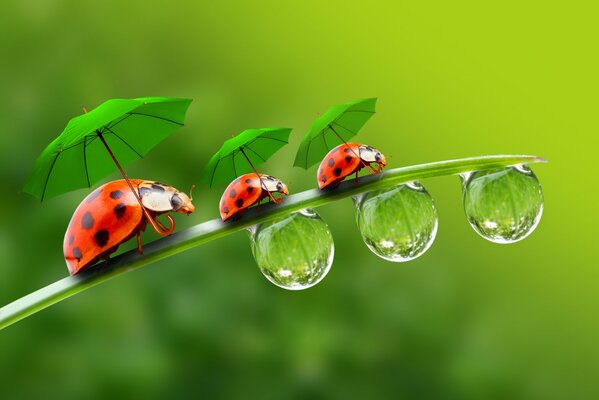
<point x="347" y="159"/>
<point x="111" y="215"/>
<point x="247" y="190"/>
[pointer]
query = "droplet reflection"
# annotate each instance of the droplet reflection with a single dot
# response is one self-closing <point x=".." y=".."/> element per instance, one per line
<point x="399" y="224"/>
<point x="503" y="205"/>
<point x="294" y="252"/>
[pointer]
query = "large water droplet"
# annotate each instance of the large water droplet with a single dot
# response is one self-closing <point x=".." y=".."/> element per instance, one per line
<point x="503" y="205"/>
<point x="295" y="251"/>
<point x="399" y="224"/>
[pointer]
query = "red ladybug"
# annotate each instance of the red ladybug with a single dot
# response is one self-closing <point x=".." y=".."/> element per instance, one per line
<point x="248" y="190"/>
<point x="111" y="215"/>
<point x="347" y="159"/>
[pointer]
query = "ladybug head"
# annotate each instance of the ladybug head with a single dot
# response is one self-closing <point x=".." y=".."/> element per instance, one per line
<point x="182" y="203"/>
<point x="161" y="198"/>
<point x="273" y="184"/>
<point x="371" y="155"/>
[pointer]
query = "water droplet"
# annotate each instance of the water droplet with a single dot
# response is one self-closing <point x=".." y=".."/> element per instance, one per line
<point x="294" y="252"/>
<point x="399" y="224"/>
<point x="503" y="205"/>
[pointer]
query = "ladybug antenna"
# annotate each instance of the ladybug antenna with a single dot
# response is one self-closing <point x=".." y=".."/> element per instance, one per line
<point x="190" y="192"/>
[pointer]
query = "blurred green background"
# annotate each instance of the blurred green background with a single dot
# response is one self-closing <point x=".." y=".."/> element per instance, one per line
<point x="468" y="320"/>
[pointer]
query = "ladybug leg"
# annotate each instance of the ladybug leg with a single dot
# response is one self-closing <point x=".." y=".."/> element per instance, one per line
<point x="356" y="177"/>
<point x="139" y="248"/>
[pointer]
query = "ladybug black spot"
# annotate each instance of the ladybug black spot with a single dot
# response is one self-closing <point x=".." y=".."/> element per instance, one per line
<point x="331" y="162"/>
<point x="232" y="193"/>
<point x="337" y="171"/>
<point x="77" y="253"/>
<point x="239" y="202"/>
<point x="226" y="209"/>
<point x="323" y="178"/>
<point x="348" y="159"/>
<point x="87" y="221"/>
<point x="101" y="237"/>
<point x="119" y="210"/>
<point x="250" y="189"/>
<point x="347" y="150"/>
<point x="92" y="196"/>
<point x="158" y="188"/>
<point x="116" y="194"/>
<point x="71" y="239"/>
<point x="248" y="180"/>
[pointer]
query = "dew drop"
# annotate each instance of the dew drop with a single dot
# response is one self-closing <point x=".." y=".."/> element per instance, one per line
<point x="503" y="205"/>
<point x="294" y="252"/>
<point x="397" y="224"/>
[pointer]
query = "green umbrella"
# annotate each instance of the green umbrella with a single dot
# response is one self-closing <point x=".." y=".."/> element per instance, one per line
<point x="338" y="125"/>
<point x="116" y="132"/>
<point x="242" y="153"/>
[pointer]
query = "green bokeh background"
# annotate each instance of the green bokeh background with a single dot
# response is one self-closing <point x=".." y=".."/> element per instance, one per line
<point x="468" y="320"/>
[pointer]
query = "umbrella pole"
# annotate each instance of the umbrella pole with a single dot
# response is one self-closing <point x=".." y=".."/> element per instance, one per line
<point x="368" y="167"/>
<point x="259" y="177"/>
<point x="155" y="224"/>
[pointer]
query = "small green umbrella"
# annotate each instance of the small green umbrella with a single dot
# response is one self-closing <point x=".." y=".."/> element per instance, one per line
<point x="338" y="125"/>
<point x="116" y="132"/>
<point x="242" y="153"/>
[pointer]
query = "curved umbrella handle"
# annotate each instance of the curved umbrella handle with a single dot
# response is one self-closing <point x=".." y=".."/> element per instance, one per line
<point x="160" y="229"/>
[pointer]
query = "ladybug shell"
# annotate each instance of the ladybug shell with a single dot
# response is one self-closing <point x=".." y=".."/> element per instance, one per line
<point x="339" y="163"/>
<point x="242" y="193"/>
<point x="107" y="217"/>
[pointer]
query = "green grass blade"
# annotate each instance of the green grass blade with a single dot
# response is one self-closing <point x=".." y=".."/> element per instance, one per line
<point x="214" y="229"/>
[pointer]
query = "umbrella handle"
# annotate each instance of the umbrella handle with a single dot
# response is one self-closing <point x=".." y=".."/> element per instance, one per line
<point x="276" y="201"/>
<point x="156" y="225"/>
<point x="367" y="166"/>
<point x="159" y="228"/>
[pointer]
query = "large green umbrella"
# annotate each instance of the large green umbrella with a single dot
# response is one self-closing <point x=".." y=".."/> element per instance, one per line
<point x="115" y="133"/>
<point x="338" y="125"/>
<point x="242" y="153"/>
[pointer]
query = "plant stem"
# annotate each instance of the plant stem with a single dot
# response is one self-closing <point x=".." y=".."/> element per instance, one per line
<point x="214" y="229"/>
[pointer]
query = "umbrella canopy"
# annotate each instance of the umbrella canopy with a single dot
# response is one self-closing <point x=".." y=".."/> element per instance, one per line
<point x="78" y="157"/>
<point x="242" y="153"/>
<point x="338" y="125"/>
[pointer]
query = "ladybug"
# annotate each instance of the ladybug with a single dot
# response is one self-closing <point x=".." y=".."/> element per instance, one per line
<point x="111" y="215"/>
<point x="347" y="159"/>
<point x="247" y="190"/>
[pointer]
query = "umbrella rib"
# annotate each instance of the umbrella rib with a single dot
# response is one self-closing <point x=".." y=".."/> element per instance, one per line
<point x="80" y="143"/>
<point x="114" y="133"/>
<point x="307" y="151"/>
<point x="341" y="126"/>
<point x="48" y="177"/>
<point x="325" y="141"/>
<point x="233" y="161"/>
<point x="157" y="117"/>
<point x="253" y="151"/>
<point x="85" y="161"/>
<point x="118" y="122"/>
<point x="214" y="172"/>
<point x="264" y="137"/>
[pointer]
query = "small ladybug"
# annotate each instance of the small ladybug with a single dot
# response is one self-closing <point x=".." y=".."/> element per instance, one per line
<point x="247" y="190"/>
<point x="111" y="215"/>
<point x="347" y="159"/>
